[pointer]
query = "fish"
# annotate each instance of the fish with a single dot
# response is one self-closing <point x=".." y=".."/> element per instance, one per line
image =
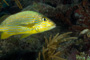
<point x="25" y="23"/>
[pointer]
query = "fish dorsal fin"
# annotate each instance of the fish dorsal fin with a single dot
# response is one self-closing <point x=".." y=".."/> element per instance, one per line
<point x="5" y="35"/>
<point x="28" y="25"/>
<point x="24" y="36"/>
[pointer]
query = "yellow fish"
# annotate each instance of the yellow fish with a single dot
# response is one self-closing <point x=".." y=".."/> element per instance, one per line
<point x="26" y="23"/>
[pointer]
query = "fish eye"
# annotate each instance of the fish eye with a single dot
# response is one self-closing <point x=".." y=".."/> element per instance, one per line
<point x="44" y="19"/>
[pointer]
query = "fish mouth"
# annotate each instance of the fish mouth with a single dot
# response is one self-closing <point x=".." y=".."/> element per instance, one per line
<point x="52" y="26"/>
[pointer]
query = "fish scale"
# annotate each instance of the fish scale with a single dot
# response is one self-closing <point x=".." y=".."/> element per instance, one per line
<point x="25" y="17"/>
<point x="25" y="23"/>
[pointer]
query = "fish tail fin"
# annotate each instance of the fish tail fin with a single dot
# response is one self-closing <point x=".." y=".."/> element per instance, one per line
<point x="8" y="31"/>
<point x="4" y="33"/>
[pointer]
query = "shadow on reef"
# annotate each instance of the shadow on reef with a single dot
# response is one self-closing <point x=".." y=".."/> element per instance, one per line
<point x="19" y="55"/>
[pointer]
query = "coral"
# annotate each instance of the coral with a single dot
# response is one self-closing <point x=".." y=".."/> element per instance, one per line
<point x="50" y="50"/>
<point x="82" y="56"/>
<point x="82" y="44"/>
<point x="76" y="16"/>
<point x="83" y="14"/>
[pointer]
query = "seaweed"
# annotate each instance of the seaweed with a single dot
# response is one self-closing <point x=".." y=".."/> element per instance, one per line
<point x="16" y="1"/>
<point x="50" y="50"/>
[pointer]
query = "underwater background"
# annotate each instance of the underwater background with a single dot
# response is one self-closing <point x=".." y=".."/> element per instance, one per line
<point x="69" y="40"/>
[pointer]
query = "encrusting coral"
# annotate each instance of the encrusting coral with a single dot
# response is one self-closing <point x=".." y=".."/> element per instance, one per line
<point x="81" y="45"/>
<point x="82" y="56"/>
<point x="82" y="12"/>
<point x="49" y="51"/>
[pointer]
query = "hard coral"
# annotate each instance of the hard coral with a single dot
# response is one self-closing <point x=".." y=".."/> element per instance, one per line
<point x="82" y="44"/>
<point x="83" y="13"/>
<point x="77" y="17"/>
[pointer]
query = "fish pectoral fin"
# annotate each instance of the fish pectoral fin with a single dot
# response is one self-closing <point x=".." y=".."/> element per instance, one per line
<point x="5" y="35"/>
<point x="28" y="25"/>
<point x="24" y="36"/>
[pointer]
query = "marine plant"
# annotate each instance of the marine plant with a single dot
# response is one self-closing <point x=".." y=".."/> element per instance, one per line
<point x="50" y="50"/>
<point x="16" y="1"/>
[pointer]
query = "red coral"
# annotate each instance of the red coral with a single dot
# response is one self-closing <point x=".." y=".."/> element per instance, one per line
<point x="84" y="16"/>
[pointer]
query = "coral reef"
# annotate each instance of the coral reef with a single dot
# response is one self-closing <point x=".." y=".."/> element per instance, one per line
<point x="82" y="44"/>
<point x="73" y="15"/>
<point x="82" y="56"/>
<point x="81" y="15"/>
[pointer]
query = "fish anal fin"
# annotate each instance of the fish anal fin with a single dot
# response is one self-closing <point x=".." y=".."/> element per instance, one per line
<point x="24" y="36"/>
<point x="5" y="35"/>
